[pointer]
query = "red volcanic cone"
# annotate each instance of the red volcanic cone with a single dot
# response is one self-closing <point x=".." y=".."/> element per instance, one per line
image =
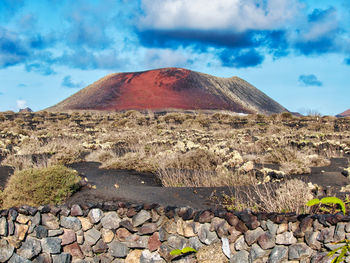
<point x="170" y="88"/>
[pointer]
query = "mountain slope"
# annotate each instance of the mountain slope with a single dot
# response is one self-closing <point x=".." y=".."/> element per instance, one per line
<point x="344" y="114"/>
<point x="170" y="88"/>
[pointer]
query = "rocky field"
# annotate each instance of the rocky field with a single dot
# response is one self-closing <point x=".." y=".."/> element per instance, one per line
<point x="183" y="149"/>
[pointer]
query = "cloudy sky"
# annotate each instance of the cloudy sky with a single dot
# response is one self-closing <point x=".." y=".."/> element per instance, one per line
<point x="296" y="51"/>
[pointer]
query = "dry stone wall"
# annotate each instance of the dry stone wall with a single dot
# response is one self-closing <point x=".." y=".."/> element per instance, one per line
<point x="120" y="232"/>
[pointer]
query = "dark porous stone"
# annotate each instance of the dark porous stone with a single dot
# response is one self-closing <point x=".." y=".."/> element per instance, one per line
<point x="43" y="258"/>
<point x="251" y="236"/>
<point x="68" y="237"/>
<point x="110" y="220"/>
<point x="257" y="252"/>
<point x="149" y="206"/>
<point x="76" y="210"/>
<point x="27" y="210"/>
<point x="12" y="214"/>
<point x="311" y="240"/>
<point x="51" y="245"/>
<point x="131" y="212"/>
<point x="205" y="235"/>
<point x="220" y="226"/>
<point x="11" y="227"/>
<point x="232" y="219"/>
<point x="3" y="226"/>
<point x="279" y="219"/>
<point x="195" y="243"/>
<point x="100" y="247"/>
<point x="262" y="216"/>
<point x="88" y="205"/>
<point x="186" y="213"/>
<point x="71" y="223"/>
<point x="345" y="173"/>
<point x="128" y="225"/>
<point x="170" y="211"/>
<point x="292" y="217"/>
<point x="65" y="211"/>
<point x="138" y="207"/>
<point x="62" y="258"/>
<point x="40" y="231"/>
<point x="320" y="258"/>
<point x="241" y="227"/>
<point x="105" y="258"/>
<point x="18" y="259"/>
<point x="278" y="255"/>
<point x="164" y="251"/>
<point x="250" y="220"/>
<point x="163" y="235"/>
<point x="266" y="240"/>
<point x="135" y="241"/>
<point x="339" y="233"/>
<point x="240" y="257"/>
<point x="92" y="236"/>
<point x="54" y="209"/>
<point x="220" y="213"/>
<point x="6" y="250"/>
<point x="30" y="248"/>
<point x="117" y="249"/>
<point x="177" y="242"/>
<point x="327" y="235"/>
<point x="154" y="242"/>
<point x="141" y="217"/>
<point x="44" y="209"/>
<point x="299" y="251"/>
<point x="110" y="206"/>
<point x="331" y="219"/>
<point x="147" y="228"/>
<point x="35" y="221"/>
<point x="305" y="225"/>
<point x="121" y="204"/>
<point x="205" y="216"/>
<point x="4" y="212"/>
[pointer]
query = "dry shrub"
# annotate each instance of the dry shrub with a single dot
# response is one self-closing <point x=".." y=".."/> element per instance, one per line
<point x="138" y="161"/>
<point x="101" y="156"/>
<point x="174" y="117"/>
<point x="21" y="162"/>
<point x="185" y="178"/>
<point x="181" y="177"/>
<point x="196" y="159"/>
<point x="294" y="161"/>
<point x="288" y="196"/>
<point x="40" y="186"/>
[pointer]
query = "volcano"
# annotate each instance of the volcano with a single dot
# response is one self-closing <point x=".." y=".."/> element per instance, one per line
<point x="344" y="114"/>
<point x="170" y="88"/>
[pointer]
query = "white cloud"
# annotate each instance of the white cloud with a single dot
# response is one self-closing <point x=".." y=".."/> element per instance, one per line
<point x="158" y="58"/>
<point x="235" y="15"/>
<point x="321" y="28"/>
<point x="21" y="104"/>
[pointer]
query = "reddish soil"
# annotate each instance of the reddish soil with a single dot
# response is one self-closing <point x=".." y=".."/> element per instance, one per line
<point x="159" y="90"/>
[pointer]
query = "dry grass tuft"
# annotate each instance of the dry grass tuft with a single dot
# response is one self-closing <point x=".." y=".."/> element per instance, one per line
<point x="40" y="186"/>
<point x="288" y="196"/>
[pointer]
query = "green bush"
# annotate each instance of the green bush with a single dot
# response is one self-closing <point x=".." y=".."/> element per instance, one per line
<point x="39" y="186"/>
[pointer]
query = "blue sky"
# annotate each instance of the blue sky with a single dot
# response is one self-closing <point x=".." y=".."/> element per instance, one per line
<point x="296" y="51"/>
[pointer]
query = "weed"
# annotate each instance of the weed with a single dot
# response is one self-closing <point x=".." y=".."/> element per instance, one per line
<point x="39" y="186"/>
